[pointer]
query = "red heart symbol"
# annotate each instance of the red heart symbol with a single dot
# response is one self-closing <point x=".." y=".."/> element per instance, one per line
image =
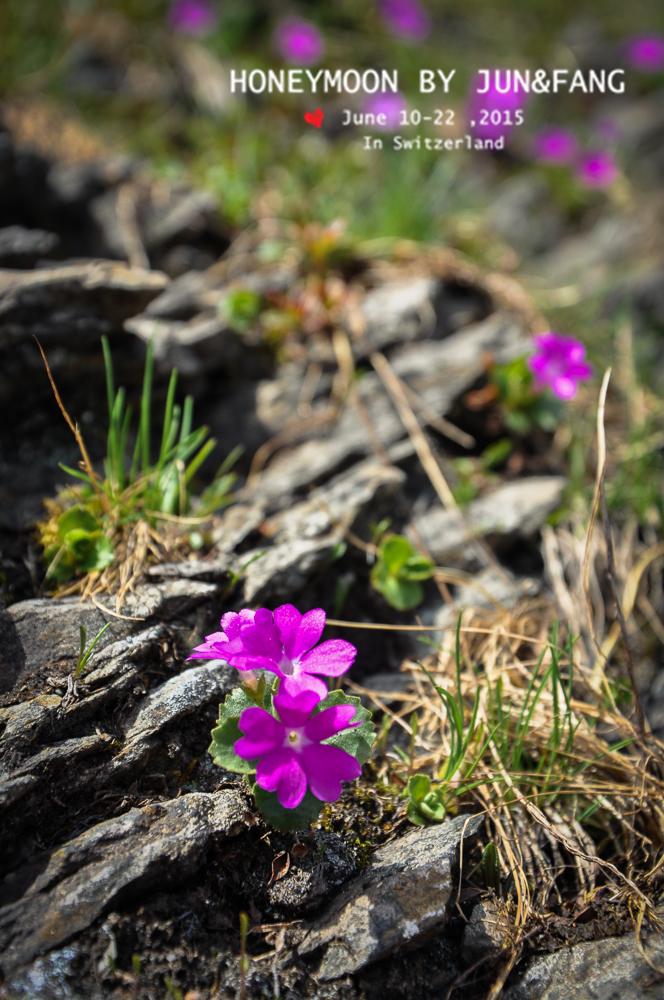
<point x="314" y="119"/>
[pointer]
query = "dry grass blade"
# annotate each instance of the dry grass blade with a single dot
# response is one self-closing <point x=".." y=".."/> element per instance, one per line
<point x="77" y="434"/>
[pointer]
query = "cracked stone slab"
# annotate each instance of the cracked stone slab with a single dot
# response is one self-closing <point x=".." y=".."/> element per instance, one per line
<point x="46" y="631"/>
<point x="438" y="371"/>
<point x="425" y="307"/>
<point x="50" y="900"/>
<point x="179" y="696"/>
<point x="401" y="899"/>
<point x="612" y="969"/>
<point x="71" y="301"/>
<point x="518" y="508"/>
<point x="305" y="536"/>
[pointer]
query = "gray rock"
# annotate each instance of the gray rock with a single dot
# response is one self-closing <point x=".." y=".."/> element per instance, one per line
<point x="51" y="901"/>
<point x="585" y="260"/>
<point x="612" y="969"/>
<point x="304" y="537"/>
<point x="44" y="631"/>
<point x="12" y="655"/>
<point x="72" y="302"/>
<point x="327" y="864"/>
<point x="485" y="933"/>
<point x="401" y="899"/>
<point x="437" y="371"/>
<point x="47" y="631"/>
<point x="20" y="247"/>
<point x="179" y="696"/>
<point x="422" y="308"/>
<point x="517" y="508"/>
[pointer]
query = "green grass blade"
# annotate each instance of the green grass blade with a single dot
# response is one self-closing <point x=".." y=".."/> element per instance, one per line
<point x="168" y="419"/>
<point x="196" y="462"/>
<point x="146" y="397"/>
<point x="187" y="418"/>
<point x="108" y="365"/>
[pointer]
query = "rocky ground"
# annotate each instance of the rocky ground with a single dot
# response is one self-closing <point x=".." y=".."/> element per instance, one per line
<point x="127" y="856"/>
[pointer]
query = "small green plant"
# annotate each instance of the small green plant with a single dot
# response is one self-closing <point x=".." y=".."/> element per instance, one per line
<point x="85" y="654"/>
<point x="87" y="522"/>
<point x="491" y="867"/>
<point x="522" y="407"/>
<point x="79" y="545"/>
<point x="241" y="308"/>
<point x="474" y="473"/>
<point x="397" y="572"/>
<point x="425" y="804"/>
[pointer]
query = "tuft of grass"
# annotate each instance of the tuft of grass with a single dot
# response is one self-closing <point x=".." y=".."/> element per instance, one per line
<point x="101" y="532"/>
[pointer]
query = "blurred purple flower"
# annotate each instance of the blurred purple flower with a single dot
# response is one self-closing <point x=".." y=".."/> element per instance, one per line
<point x="406" y="19"/>
<point x="554" y="145"/>
<point x="645" y="53"/>
<point x="289" y="751"/>
<point x="281" y="643"/>
<point x="597" y="169"/>
<point x="390" y="105"/>
<point x="503" y="106"/>
<point x="299" y="42"/>
<point x="193" y="17"/>
<point x="558" y="362"/>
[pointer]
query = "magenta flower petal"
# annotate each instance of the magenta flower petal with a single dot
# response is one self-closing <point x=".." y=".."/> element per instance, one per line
<point x="294" y="712"/>
<point x="331" y="658"/>
<point x="282" y="772"/>
<point x="559" y="362"/>
<point x="597" y="169"/>
<point x="389" y="105"/>
<point x="299" y="41"/>
<point x="406" y="19"/>
<point x="233" y="621"/>
<point x="330" y="721"/>
<point x="294" y="686"/>
<point x="193" y="17"/>
<point x="215" y="647"/>
<point x="326" y="767"/>
<point x="263" y="734"/>
<point x="298" y="632"/>
<point x="646" y="53"/>
<point x="554" y="145"/>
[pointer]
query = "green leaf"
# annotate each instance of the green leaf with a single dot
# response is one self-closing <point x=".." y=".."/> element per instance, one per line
<point x="418" y="786"/>
<point x="224" y="737"/>
<point x="432" y="806"/>
<point x="98" y="556"/>
<point x="414" y="815"/>
<point x="76" y="519"/>
<point x="358" y="742"/>
<point x="417" y="567"/>
<point x="234" y="705"/>
<point x="401" y="594"/>
<point x="394" y="552"/>
<point x="274" y="813"/>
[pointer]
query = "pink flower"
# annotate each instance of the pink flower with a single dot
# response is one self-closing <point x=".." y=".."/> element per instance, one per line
<point x="597" y="169"/>
<point x="299" y="42"/>
<point x="406" y="19"/>
<point x="645" y="53"/>
<point x="558" y="362"/>
<point x="492" y="114"/>
<point x="289" y="750"/>
<point x="554" y="145"/>
<point x="390" y="105"/>
<point x="193" y="17"/>
<point x="281" y="643"/>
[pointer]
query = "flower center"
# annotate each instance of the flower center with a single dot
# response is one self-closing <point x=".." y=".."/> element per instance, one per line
<point x="286" y="666"/>
<point x="293" y="738"/>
